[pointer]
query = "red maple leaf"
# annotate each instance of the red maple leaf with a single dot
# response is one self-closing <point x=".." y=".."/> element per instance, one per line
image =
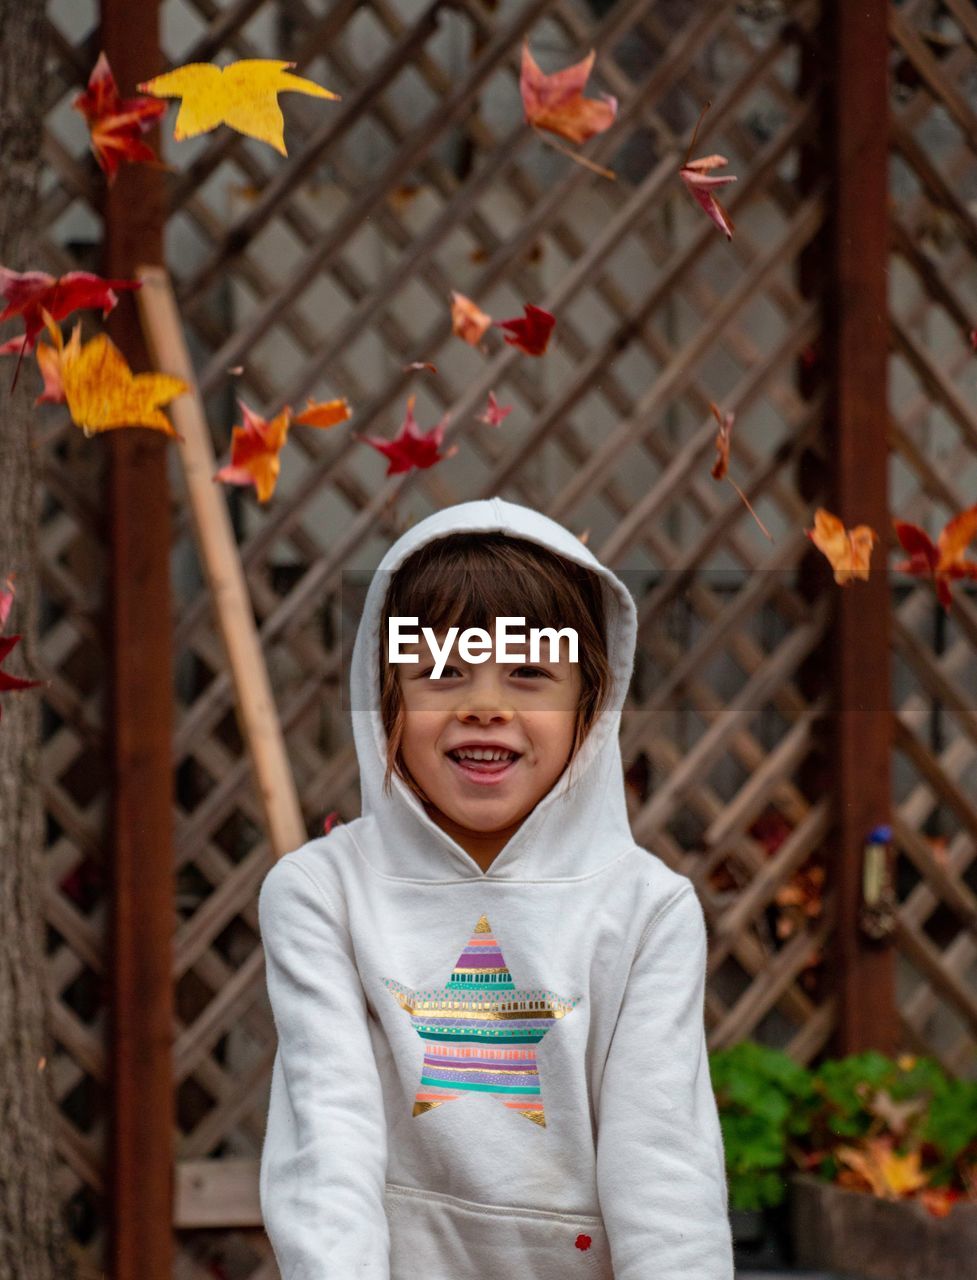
<point x="412" y="447"/>
<point x="495" y="413"/>
<point x="29" y="294"/>
<point x="9" y="683"/>
<point x="116" y="124"/>
<point x="530" y="333"/>
<point x="943" y="561"/>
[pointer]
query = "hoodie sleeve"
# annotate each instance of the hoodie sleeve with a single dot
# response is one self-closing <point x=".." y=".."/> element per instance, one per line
<point x="661" y="1171"/>
<point x="323" y="1162"/>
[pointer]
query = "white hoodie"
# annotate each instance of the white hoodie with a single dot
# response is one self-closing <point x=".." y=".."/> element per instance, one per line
<point x="396" y="1146"/>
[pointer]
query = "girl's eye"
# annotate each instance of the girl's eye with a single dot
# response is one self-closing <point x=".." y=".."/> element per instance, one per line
<point x="538" y="670"/>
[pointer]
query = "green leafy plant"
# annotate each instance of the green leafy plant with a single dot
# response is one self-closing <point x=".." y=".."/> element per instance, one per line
<point x="762" y="1095"/>
<point x="898" y="1128"/>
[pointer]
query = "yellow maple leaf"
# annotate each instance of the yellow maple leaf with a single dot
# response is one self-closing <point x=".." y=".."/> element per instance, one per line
<point x="887" y="1173"/>
<point x="243" y="95"/>
<point x="102" y="392"/>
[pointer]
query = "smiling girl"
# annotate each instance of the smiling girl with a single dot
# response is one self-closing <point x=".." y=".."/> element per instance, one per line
<point x="489" y="999"/>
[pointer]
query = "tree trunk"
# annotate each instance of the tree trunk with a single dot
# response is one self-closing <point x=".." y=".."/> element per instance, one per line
<point x="33" y="1240"/>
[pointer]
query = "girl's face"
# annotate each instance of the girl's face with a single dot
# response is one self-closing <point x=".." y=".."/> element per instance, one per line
<point x="530" y="710"/>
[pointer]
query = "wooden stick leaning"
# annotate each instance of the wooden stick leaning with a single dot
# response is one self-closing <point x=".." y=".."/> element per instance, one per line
<point x="222" y="563"/>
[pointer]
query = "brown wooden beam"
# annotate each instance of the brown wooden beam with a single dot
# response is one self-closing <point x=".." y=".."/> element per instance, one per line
<point x="143" y="910"/>
<point x="861" y="970"/>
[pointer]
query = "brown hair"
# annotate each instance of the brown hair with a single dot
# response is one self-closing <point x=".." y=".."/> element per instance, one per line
<point x="470" y="579"/>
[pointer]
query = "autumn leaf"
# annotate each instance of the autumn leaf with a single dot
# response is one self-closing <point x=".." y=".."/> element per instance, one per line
<point x="555" y="102"/>
<point x="701" y="186"/>
<point x="723" y="441"/>
<point x="848" y="551"/>
<point x="420" y="366"/>
<point x="256" y="445"/>
<point x="116" y="124"/>
<point x="243" y="95"/>
<point x="884" y="1171"/>
<point x="411" y="447"/>
<point x="325" y="413"/>
<point x="943" y="561"/>
<point x="495" y="413"/>
<point x="255" y="451"/>
<point x="701" y="183"/>
<point x="102" y="392"/>
<point x="531" y="332"/>
<point x="9" y="683"/>
<point x="468" y="322"/>
<point x="29" y="294"/>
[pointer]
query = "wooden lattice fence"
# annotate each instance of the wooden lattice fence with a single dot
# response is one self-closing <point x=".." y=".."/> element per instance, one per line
<point x="327" y="274"/>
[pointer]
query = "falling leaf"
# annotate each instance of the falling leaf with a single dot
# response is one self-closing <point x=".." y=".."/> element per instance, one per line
<point x="325" y="413"/>
<point x="420" y="366"/>
<point x="723" y="440"/>
<point x="468" y="321"/>
<point x="29" y="294"/>
<point x="9" y="683"/>
<point x="848" y="551"/>
<point x="495" y="413"/>
<point x="102" y="392"/>
<point x="116" y="124"/>
<point x="411" y="447"/>
<point x="701" y="184"/>
<point x="943" y="561"/>
<point x="243" y="95"/>
<point x="255" y="451"/>
<point x="556" y="103"/>
<point x="584" y="537"/>
<point x="530" y="333"/>
<point x="256" y="446"/>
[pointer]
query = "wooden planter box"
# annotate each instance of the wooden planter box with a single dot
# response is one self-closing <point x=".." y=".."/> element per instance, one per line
<point x="854" y="1233"/>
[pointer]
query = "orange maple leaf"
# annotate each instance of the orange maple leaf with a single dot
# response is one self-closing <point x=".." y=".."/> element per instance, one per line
<point x="944" y="560"/>
<point x="468" y="322"/>
<point x="848" y="551"/>
<point x="256" y="446"/>
<point x="555" y="102"/>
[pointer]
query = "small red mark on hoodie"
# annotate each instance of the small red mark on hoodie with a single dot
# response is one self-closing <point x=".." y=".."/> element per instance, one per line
<point x="330" y="822"/>
<point x="583" y="1243"/>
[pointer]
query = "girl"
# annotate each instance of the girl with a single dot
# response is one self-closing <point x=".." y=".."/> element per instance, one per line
<point x="489" y="1000"/>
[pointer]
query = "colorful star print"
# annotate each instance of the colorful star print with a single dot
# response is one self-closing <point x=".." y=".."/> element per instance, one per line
<point x="480" y="1031"/>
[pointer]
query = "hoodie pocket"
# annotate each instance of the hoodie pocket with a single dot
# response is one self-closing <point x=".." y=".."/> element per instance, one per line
<point x="442" y="1237"/>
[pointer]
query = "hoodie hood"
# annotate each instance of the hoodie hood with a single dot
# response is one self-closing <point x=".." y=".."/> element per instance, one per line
<point x="577" y="827"/>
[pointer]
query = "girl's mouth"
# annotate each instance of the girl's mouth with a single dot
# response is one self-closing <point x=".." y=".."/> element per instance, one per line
<point x="485" y="772"/>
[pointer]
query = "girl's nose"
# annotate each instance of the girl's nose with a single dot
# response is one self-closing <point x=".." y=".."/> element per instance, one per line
<point x="484" y="699"/>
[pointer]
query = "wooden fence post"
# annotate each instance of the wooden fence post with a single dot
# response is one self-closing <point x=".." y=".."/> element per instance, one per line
<point x="142" y="887"/>
<point x="857" y="332"/>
